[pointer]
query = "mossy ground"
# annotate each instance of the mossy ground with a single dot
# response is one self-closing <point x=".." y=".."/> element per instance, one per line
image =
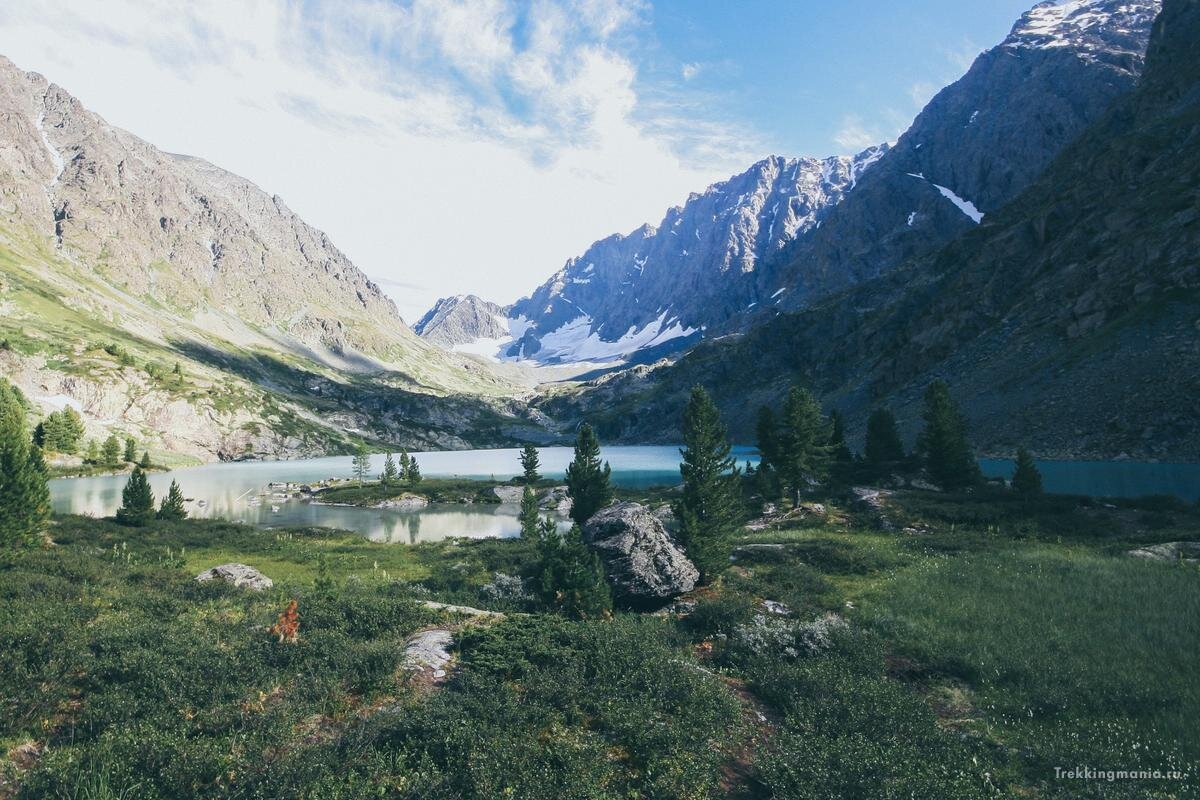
<point x="1004" y="640"/>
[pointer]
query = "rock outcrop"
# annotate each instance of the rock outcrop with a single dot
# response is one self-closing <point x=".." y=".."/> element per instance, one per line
<point x="240" y="575"/>
<point x="1185" y="552"/>
<point x="643" y="564"/>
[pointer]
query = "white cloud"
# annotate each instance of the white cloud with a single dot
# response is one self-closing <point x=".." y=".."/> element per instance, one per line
<point x="460" y="145"/>
<point x="854" y="134"/>
<point x="921" y="93"/>
<point x="689" y="71"/>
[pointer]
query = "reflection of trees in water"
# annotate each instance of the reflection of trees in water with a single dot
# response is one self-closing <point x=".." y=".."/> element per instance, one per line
<point x="414" y="527"/>
<point x="390" y="523"/>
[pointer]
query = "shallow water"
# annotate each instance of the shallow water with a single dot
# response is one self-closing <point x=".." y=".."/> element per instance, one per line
<point x="238" y="491"/>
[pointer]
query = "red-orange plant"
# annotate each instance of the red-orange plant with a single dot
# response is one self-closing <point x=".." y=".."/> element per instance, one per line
<point x="287" y="628"/>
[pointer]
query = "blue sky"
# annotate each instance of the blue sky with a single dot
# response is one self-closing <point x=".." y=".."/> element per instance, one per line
<point x="454" y="146"/>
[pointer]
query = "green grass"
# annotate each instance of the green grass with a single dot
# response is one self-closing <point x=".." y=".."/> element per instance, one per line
<point x="976" y="657"/>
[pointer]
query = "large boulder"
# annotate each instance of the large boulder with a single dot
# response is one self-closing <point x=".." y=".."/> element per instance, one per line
<point x="239" y="575"/>
<point x="508" y="495"/>
<point x="405" y="502"/>
<point x="643" y="563"/>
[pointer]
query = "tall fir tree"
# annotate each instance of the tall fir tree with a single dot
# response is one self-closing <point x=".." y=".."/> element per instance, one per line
<point x="804" y="442"/>
<point x="1027" y="478"/>
<point x="587" y="480"/>
<point x="529" y="514"/>
<point x="361" y="463"/>
<point x="943" y="442"/>
<point x="24" y="495"/>
<point x="405" y="465"/>
<point x="172" y="504"/>
<point x="111" y="452"/>
<point x="709" y="510"/>
<point x="884" y="450"/>
<point x="414" y="472"/>
<point x="390" y="475"/>
<point x="137" y="501"/>
<point x="92" y="453"/>
<point x="530" y="463"/>
<point x="130" y="450"/>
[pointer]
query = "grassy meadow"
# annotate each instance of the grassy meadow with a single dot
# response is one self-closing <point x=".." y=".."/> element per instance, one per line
<point x="967" y="653"/>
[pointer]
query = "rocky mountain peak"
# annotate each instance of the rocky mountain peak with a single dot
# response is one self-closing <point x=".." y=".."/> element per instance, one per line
<point x="458" y="322"/>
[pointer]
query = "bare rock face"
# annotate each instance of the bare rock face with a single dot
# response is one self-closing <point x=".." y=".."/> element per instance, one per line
<point x="239" y="575"/>
<point x="643" y="564"/>
<point x="427" y="653"/>
<point x="462" y="319"/>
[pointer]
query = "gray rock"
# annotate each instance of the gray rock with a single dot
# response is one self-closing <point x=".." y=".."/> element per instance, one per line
<point x="428" y="652"/>
<point x="239" y="575"/>
<point x="462" y="319"/>
<point x="509" y="494"/>
<point x="642" y="562"/>
<point x="1186" y="552"/>
<point x="557" y="500"/>
<point x="405" y="502"/>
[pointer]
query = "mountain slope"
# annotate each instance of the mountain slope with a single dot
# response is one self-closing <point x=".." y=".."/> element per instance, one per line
<point x="661" y="284"/>
<point x="724" y="261"/>
<point x="976" y="145"/>
<point x="107" y="242"/>
<point x="1068" y="321"/>
<point x="465" y="323"/>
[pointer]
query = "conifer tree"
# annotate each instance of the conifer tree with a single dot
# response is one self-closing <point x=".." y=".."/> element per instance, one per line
<point x="112" y="452"/>
<point x="361" y="463"/>
<point x="414" y="472"/>
<point x="172" y="504"/>
<point x="130" y="450"/>
<point x="587" y="480"/>
<point x="1026" y="479"/>
<point x="530" y="463"/>
<point x="390" y="475"/>
<point x="529" y="514"/>
<point x="137" y="501"/>
<point x="92" y="454"/>
<point x="767" y="434"/>
<point x="571" y="576"/>
<point x="943" y="443"/>
<point x="883" y="449"/>
<point x="145" y="462"/>
<point x="709" y="510"/>
<point x="804" y="442"/>
<point x="24" y="495"/>
<point x="405" y="465"/>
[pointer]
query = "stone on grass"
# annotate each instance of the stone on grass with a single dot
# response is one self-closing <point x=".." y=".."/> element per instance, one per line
<point x="428" y="652"/>
<point x="641" y="560"/>
<point x="240" y="575"/>
<point x="1186" y="552"/>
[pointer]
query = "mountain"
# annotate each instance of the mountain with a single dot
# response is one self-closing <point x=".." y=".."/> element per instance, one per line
<point x="976" y="145"/>
<point x="1066" y="321"/>
<point x="118" y="260"/>
<point x="465" y="323"/>
<point x="787" y="233"/>
<point x="660" y="285"/>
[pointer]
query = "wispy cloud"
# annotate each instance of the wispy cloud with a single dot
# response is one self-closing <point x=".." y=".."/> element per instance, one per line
<point x="854" y="134"/>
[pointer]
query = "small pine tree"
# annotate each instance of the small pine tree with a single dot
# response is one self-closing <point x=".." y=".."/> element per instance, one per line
<point x="414" y="472"/>
<point x="529" y="514"/>
<point x="172" y="504"/>
<point x="145" y="462"/>
<point x="943" y="442"/>
<point x="112" y="452"/>
<point x="571" y="575"/>
<point x="390" y="475"/>
<point x="92" y="454"/>
<point x="405" y="465"/>
<point x="587" y="480"/>
<point x="884" y="449"/>
<point x="530" y="463"/>
<point x="1026" y="479"/>
<point x="361" y="463"/>
<point x="130" y="450"/>
<point x="710" y="509"/>
<point x="24" y="495"/>
<point x="137" y="501"/>
<point x="804" y="443"/>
